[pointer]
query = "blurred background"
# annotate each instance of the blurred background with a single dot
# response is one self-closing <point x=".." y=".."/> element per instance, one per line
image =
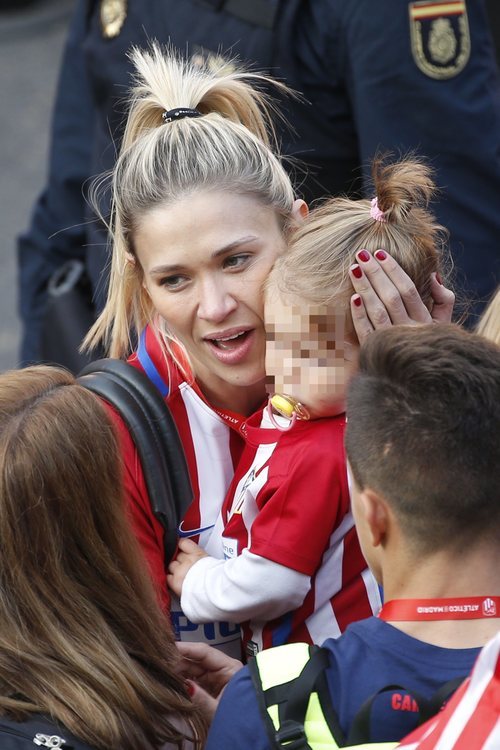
<point x="32" y="34"/>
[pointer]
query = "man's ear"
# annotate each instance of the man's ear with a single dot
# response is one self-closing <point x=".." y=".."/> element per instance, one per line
<point x="300" y="211"/>
<point x="377" y="515"/>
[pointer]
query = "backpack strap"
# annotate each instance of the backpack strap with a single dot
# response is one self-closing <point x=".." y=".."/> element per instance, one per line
<point x="292" y="692"/>
<point x="155" y="435"/>
<point x="360" y="731"/>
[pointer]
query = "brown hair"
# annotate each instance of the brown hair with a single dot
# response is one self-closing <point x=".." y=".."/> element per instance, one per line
<point x="321" y="250"/>
<point x="489" y="323"/>
<point x="423" y="430"/>
<point x="82" y="638"/>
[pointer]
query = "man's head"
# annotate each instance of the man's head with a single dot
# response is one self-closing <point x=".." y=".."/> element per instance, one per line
<point x="423" y="434"/>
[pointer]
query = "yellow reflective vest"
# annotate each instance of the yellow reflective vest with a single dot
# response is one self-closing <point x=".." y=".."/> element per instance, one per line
<point x="294" y="699"/>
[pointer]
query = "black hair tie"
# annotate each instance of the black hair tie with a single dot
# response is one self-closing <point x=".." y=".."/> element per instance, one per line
<point x="179" y="113"/>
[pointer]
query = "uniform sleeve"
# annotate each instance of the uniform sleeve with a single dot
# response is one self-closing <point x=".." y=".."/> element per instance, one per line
<point x="233" y="591"/>
<point x="237" y="723"/>
<point x="147" y="529"/>
<point x="57" y="229"/>
<point x="299" y="513"/>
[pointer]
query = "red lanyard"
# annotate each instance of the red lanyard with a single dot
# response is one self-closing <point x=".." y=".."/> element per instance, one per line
<point x="462" y="608"/>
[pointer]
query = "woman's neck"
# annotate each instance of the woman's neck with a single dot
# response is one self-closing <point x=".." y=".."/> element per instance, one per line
<point x="239" y="399"/>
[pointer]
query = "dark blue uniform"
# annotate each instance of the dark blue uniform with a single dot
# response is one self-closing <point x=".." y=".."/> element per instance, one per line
<point x="395" y="75"/>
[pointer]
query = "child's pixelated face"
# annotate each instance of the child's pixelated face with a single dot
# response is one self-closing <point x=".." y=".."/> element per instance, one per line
<point x="307" y="356"/>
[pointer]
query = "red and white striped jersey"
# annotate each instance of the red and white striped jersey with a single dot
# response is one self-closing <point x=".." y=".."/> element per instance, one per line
<point x="471" y="719"/>
<point x="288" y="506"/>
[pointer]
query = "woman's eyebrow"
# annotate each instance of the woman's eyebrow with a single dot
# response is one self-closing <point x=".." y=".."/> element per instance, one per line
<point x="235" y="244"/>
<point x="175" y="268"/>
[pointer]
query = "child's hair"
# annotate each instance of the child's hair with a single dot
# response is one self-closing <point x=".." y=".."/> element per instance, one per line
<point x="82" y="637"/>
<point x="489" y="323"/>
<point x="228" y="147"/>
<point x="423" y="427"/>
<point x="321" y="250"/>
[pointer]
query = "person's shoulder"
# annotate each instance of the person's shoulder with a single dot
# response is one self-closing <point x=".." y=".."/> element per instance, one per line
<point x="314" y="449"/>
<point x="238" y="717"/>
<point x="166" y="369"/>
<point x="359" y="637"/>
<point x="324" y="436"/>
<point x="381" y="642"/>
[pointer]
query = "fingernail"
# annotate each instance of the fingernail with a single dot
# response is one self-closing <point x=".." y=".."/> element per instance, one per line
<point x="380" y="255"/>
<point x="438" y="278"/>
<point x="356" y="272"/>
<point x="190" y="688"/>
<point x="357" y="301"/>
<point x="364" y="256"/>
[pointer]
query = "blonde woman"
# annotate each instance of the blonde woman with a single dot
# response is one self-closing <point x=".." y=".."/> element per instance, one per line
<point x="86" y="654"/>
<point x="201" y="206"/>
<point x="286" y="519"/>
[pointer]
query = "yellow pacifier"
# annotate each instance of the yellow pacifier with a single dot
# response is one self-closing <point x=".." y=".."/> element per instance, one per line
<point x="287" y="407"/>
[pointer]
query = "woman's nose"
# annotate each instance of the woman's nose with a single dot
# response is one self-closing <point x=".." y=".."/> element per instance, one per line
<point x="215" y="302"/>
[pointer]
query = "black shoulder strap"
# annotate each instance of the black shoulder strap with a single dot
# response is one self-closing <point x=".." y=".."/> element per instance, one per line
<point x="155" y="435"/>
<point x="360" y="731"/>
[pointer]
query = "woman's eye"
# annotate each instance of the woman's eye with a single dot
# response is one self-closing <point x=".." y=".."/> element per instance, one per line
<point x="173" y="282"/>
<point x="236" y="261"/>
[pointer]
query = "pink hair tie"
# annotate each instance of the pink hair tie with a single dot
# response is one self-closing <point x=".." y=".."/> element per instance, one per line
<point x="376" y="213"/>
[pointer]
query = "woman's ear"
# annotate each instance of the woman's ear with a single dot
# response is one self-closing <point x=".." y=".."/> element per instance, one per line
<point x="300" y="210"/>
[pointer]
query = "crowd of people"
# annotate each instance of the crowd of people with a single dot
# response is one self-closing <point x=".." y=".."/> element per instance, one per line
<point x="336" y="573"/>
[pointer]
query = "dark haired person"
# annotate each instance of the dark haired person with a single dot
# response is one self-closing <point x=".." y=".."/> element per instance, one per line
<point x="422" y="442"/>
<point x="87" y="657"/>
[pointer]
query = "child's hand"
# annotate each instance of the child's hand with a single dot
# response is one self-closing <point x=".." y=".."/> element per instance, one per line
<point x="188" y="553"/>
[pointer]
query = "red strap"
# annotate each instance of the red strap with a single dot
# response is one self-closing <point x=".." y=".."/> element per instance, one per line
<point x="461" y="608"/>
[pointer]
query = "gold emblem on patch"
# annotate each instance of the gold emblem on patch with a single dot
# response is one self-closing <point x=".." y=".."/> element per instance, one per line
<point x="440" y="38"/>
<point x="113" y="14"/>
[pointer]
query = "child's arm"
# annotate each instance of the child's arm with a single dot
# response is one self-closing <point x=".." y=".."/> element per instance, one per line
<point x="235" y="590"/>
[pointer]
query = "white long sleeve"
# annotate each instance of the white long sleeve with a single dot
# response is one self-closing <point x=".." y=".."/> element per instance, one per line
<point x="242" y="588"/>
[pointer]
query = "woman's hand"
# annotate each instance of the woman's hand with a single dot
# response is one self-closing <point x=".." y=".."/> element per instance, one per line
<point x="207" y="671"/>
<point x="385" y="296"/>
<point x="188" y="554"/>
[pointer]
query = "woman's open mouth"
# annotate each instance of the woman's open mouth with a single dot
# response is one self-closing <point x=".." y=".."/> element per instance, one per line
<point x="231" y="347"/>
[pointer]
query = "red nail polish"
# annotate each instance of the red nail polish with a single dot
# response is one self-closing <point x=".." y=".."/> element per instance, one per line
<point x="357" y="301"/>
<point x="364" y="256"/>
<point x="380" y="255"/>
<point x="190" y="688"/>
<point x="356" y="272"/>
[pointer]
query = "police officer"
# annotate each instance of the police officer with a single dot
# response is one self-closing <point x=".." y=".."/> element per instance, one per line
<point x="408" y="75"/>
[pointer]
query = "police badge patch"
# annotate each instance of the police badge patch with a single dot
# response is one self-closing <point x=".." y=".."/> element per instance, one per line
<point x="440" y="39"/>
<point x="113" y="14"/>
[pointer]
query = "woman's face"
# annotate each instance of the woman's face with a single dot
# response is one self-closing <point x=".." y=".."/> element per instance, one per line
<point x="307" y="356"/>
<point x="205" y="259"/>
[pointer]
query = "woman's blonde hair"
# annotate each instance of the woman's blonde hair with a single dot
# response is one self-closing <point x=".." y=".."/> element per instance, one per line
<point x="322" y="249"/>
<point x="229" y="147"/>
<point x="489" y="323"/>
<point x="82" y="637"/>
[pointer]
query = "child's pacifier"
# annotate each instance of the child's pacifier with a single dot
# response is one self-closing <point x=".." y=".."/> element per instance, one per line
<point x="287" y="407"/>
